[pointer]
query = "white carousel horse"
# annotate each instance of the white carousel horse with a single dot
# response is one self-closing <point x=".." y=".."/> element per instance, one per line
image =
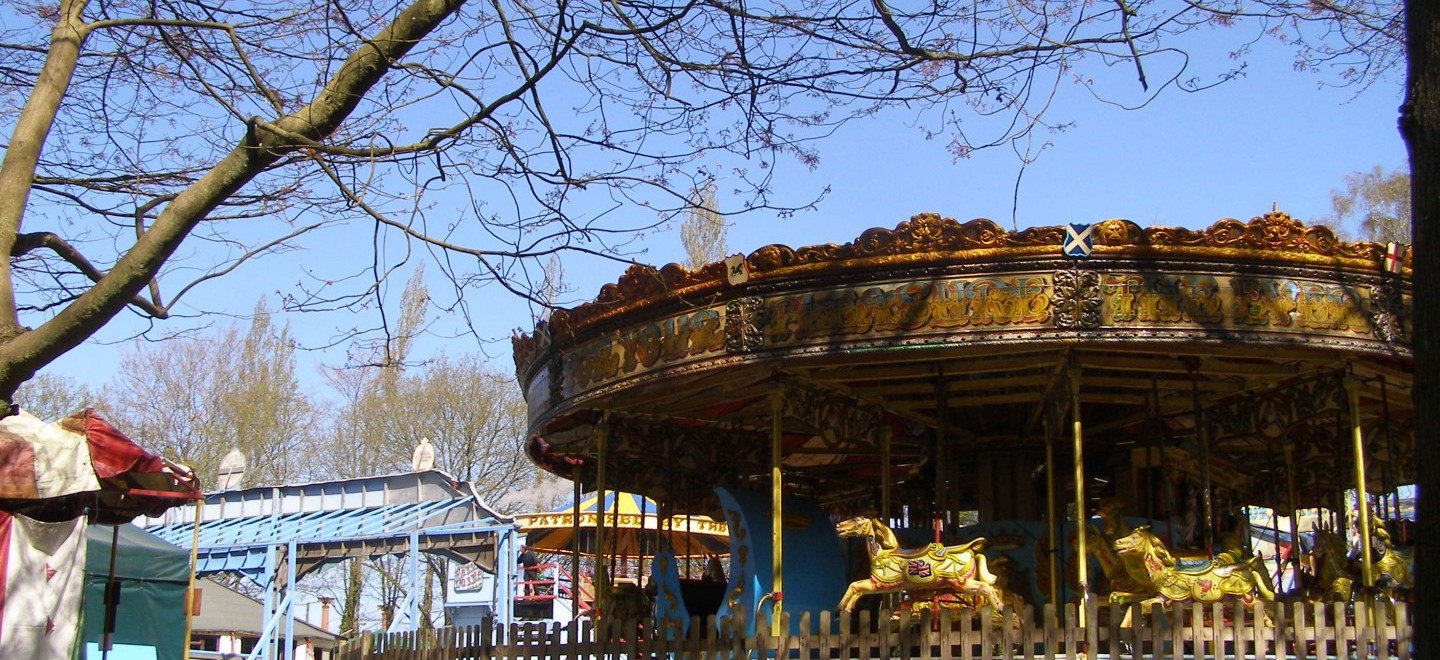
<point x="935" y="567"/>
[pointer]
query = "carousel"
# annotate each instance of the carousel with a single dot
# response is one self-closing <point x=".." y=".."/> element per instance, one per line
<point x="607" y="534"/>
<point x="951" y="394"/>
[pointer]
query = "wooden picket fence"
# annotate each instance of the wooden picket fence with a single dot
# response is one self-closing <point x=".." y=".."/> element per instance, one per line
<point x="1376" y="629"/>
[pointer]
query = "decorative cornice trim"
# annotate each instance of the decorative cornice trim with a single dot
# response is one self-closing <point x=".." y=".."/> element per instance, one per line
<point x="931" y="240"/>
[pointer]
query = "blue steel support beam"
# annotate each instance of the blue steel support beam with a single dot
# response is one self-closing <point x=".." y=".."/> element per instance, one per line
<point x="415" y="590"/>
<point x="267" y="580"/>
<point x="290" y="601"/>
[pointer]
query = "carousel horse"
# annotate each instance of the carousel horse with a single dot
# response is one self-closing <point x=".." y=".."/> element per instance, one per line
<point x="1112" y="519"/>
<point x="1112" y="527"/>
<point x="935" y="567"/>
<point x="1392" y="569"/>
<point x="1146" y="558"/>
<point x="1330" y="568"/>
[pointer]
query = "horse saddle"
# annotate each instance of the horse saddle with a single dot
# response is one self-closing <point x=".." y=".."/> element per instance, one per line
<point x="938" y="551"/>
<point x="1201" y="566"/>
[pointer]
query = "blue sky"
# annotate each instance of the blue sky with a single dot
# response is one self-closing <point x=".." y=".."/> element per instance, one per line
<point x="1274" y="137"/>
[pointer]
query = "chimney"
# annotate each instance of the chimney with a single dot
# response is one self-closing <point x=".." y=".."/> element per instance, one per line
<point x="325" y="613"/>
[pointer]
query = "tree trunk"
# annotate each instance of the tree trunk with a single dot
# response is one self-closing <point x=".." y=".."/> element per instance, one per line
<point x="350" y="616"/>
<point x="1420" y="126"/>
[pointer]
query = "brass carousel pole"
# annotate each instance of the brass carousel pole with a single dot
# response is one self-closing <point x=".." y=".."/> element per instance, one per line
<point x="1362" y="507"/>
<point x="1052" y="524"/>
<point x="777" y="406"/>
<point x="1147" y="468"/>
<point x="886" y="434"/>
<point x="602" y="580"/>
<point x="1081" y="555"/>
<point x="1291" y="493"/>
<point x="575" y="546"/>
<point x="1203" y="434"/>
<point x="942" y="449"/>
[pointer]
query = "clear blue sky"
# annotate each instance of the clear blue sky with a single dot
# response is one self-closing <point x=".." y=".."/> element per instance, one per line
<point x="1188" y="159"/>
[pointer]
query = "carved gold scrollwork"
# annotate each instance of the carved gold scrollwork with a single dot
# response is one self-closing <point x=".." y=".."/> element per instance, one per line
<point x="1385" y="313"/>
<point x="1076" y="300"/>
<point x="1275" y="413"/>
<point x="836" y="420"/>
<point x="930" y="238"/>
<point x="744" y="320"/>
<point x="1118" y="232"/>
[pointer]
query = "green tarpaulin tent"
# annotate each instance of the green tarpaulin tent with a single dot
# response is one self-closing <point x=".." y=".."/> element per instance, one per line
<point x="152" y="576"/>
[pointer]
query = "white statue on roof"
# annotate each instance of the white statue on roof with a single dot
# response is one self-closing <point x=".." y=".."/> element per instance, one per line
<point x="232" y="470"/>
<point x="424" y="457"/>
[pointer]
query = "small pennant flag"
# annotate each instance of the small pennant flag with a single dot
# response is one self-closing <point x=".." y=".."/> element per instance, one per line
<point x="1392" y="258"/>
<point x="1078" y="241"/>
<point x="736" y="270"/>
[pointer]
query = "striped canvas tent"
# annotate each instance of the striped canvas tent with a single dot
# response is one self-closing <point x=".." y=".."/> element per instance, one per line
<point x="633" y="528"/>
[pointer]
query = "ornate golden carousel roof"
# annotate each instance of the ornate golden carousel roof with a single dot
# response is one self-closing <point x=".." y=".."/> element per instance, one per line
<point x="960" y="339"/>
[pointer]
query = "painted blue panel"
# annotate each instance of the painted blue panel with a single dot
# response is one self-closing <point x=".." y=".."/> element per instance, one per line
<point x="814" y="563"/>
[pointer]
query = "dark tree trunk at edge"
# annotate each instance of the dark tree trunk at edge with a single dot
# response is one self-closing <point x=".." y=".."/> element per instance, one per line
<point x="1420" y="126"/>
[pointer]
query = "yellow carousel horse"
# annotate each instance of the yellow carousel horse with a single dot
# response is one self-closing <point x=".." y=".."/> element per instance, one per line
<point x="935" y="567"/>
<point x="1330" y="567"/>
<point x="1112" y="527"/>
<point x="1392" y="569"/>
<point x="1146" y="558"/>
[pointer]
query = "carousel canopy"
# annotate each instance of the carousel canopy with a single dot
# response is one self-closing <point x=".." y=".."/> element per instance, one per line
<point x="633" y="528"/>
<point x="958" y="351"/>
<point x="81" y="465"/>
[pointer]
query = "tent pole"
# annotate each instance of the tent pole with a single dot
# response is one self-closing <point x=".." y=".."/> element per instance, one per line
<point x="112" y="597"/>
<point x="190" y="592"/>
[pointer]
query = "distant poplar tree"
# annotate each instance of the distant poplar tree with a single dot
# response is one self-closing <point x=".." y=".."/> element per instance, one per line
<point x="703" y="231"/>
<point x="472" y="413"/>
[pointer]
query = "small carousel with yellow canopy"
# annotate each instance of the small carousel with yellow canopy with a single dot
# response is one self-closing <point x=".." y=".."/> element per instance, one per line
<point x="950" y="414"/>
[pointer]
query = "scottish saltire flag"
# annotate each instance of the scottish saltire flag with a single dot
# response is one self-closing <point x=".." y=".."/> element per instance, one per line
<point x="1078" y="241"/>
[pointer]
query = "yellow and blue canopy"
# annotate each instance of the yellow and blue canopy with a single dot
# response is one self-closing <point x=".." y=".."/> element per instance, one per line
<point x="633" y="528"/>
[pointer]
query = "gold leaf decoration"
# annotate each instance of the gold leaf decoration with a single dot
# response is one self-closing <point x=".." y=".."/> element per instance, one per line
<point x="928" y="238"/>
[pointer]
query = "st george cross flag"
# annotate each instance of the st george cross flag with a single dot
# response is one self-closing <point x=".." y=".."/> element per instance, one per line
<point x="1078" y="241"/>
<point x="1392" y="258"/>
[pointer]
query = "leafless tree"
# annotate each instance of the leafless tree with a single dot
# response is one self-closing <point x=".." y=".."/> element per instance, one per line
<point x="51" y="397"/>
<point x="195" y="398"/>
<point x="473" y="415"/>
<point x="157" y="147"/>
